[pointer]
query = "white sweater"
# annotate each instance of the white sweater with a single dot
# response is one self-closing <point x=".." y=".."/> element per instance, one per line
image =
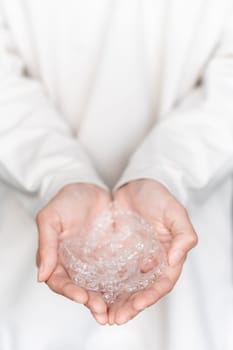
<point x="82" y="84"/>
<point x="106" y="91"/>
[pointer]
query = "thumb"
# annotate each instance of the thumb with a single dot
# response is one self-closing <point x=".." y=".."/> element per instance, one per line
<point x="48" y="247"/>
<point x="184" y="237"/>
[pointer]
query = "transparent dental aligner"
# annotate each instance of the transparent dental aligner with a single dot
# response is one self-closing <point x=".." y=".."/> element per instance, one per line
<point x="119" y="254"/>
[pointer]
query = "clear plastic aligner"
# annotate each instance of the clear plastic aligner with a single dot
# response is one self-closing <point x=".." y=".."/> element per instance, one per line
<point x="120" y="254"/>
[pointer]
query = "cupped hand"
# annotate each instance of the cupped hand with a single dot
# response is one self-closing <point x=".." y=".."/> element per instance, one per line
<point x="71" y="210"/>
<point x="151" y="200"/>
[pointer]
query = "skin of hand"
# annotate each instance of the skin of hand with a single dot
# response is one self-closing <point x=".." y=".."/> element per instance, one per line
<point x="74" y="207"/>
<point x="151" y="200"/>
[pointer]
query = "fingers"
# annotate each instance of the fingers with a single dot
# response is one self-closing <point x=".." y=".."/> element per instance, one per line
<point x="102" y="319"/>
<point x="48" y="246"/>
<point x="128" y="309"/>
<point x="60" y="283"/>
<point x="96" y="303"/>
<point x="184" y="237"/>
<point x="98" y="308"/>
<point x="159" y="289"/>
<point x="119" y="304"/>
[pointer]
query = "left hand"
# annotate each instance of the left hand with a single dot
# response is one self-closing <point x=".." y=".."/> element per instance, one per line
<point x="151" y="200"/>
<point x="68" y="215"/>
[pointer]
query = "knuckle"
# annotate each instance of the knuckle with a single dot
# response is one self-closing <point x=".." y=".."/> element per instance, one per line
<point x="66" y="289"/>
<point x="193" y="240"/>
<point x="41" y="216"/>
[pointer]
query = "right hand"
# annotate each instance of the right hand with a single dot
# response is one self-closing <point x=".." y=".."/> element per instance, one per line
<point x="74" y="207"/>
<point x="153" y="202"/>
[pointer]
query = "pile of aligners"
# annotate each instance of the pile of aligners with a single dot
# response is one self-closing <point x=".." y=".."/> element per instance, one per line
<point x="119" y="254"/>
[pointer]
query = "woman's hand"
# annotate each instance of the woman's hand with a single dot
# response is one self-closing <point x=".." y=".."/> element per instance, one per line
<point x="154" y="203"/>
<point x="71" y="210"/>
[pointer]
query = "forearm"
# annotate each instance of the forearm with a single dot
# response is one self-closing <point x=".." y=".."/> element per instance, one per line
<point x="37" y="150"/>
<point x="191" y="150"/>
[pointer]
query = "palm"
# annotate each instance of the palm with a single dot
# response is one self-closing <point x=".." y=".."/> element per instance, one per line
<point x="154" y="203"/>
<point x="66" y="216"/>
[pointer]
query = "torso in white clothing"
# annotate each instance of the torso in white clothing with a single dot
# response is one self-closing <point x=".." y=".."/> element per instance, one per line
<point x="103" y="65"/>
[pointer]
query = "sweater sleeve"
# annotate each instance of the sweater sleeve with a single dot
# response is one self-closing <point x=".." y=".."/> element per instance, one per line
<point x="191" y="150"/>
<point x="37" y="151"/>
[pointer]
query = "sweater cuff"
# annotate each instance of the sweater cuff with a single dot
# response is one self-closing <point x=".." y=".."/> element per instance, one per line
<point x="167" y="173"/>
<point x="53" y="183"/>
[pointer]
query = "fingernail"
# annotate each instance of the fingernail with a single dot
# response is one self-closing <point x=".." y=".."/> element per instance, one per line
<point x="176" y="257"/>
